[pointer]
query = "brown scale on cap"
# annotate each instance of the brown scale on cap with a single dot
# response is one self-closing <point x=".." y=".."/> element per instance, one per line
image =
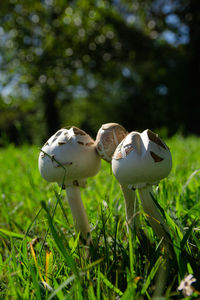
<point x="128" y="149"/>
<point x="118" y="155"/>
<point x="155" y="138"/>
<point x="78" y="131"/>
<point x="58" y="133"/>
<point x="156" y="158"/>
<point x="54" y="140"/>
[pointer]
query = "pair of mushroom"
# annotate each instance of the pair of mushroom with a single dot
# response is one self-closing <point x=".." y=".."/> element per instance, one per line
<point x="138" y="162"/>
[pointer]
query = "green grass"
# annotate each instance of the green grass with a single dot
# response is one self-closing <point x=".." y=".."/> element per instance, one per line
<point x="41" y="257"/>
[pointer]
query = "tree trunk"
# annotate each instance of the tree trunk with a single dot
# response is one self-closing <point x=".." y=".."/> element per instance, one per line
<point x="51" y="113"/>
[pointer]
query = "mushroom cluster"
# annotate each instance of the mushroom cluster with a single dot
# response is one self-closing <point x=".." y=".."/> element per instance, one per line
<point x="138" y="160"/>
<point x="69" y="157"/>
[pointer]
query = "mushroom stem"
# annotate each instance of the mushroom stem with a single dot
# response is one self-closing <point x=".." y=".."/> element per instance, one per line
<point x="131" y="206"/>
<point x="79" y="215"/>
<point x="154" y="217"/>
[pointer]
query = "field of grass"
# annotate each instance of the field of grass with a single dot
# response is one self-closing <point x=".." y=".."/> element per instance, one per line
<point x="41" y="257"/>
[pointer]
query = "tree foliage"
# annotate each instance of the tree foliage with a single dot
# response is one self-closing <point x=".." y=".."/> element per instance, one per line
<point x="89" y="62"/>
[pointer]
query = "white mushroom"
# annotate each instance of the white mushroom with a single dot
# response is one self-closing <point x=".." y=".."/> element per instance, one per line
<point x="140" y="161"/>
<point x="69" y="157"/>
<point x="108" y="138"/>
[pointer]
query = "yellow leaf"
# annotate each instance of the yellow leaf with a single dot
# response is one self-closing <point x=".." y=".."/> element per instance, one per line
<point x="35" y="260"/>
<point x="48" y="266"/>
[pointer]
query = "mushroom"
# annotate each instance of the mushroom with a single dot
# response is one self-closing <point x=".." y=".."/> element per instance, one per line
<point x="140" y="161"/>
<point x="108" y="138"/>
<point x="69" y="157"/>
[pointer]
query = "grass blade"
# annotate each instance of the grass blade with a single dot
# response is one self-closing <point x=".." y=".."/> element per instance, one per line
<point x="12" y="234"/>
<point x="63" y="251"/>
<point x="110" y="285"/>
<point x="35" y="282"/>
<point x="152" y="275"/>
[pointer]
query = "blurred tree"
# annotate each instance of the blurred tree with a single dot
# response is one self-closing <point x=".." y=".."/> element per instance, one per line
<point x="89" y="62"/>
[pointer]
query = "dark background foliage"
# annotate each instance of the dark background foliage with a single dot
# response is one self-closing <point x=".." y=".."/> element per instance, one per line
<point x="86" y="62"/>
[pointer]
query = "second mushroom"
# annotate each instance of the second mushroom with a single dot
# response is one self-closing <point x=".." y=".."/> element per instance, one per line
<point x="140" y="161"/>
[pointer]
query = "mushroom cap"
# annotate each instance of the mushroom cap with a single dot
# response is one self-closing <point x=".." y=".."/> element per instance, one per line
<point x="69" y="157"/>
<point x="108" y="138"/>
<point x="141" y="159"/>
